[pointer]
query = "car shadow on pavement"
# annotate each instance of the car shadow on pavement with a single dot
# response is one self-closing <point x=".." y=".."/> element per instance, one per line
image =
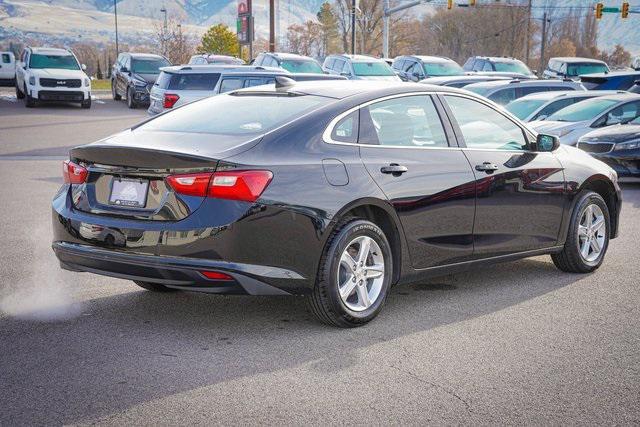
<point x="139" y="346"/>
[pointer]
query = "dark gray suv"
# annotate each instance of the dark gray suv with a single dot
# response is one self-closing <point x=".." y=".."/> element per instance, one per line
<point x="417" y="67"/>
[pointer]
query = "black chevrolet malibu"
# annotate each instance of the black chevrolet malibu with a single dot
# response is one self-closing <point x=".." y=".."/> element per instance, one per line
<point x="335" y="190"/>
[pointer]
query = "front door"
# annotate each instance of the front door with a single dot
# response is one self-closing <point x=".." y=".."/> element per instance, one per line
<point x="520" y="193"/>
<point x="411" y="154"/>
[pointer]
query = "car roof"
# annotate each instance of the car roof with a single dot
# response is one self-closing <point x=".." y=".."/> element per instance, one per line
<point x="340" y="89"/>
<point x="287" y="55"/>
<point x="359" y="58"/>
<point x="612" y="74"/>
<point x="428" y="58"/>
<point x="471" y="78"/>
<point x="554" y="94"/>
<point x="144" y="55"/>
<point x="498" y="58"/>
<point x="516" y="82"/>
<point x="220" y="68"/>
<point x="627" y="96"/>
<point x="50" y="51"/>
<point x="573" y="59"/>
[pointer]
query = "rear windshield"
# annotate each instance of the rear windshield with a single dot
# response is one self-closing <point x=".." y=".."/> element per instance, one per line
<point x="372" y="69"/>
<point x="512" y="67"/>
<point x="188" y="81"/>
<point x="522" y="108"/>
<point x="586" y="68"/>
<point x="585" y="110"/>
<point x="60" y="62"/>
<point x="443" y="69"/>
<point x="233" y="114"/>
<point x="301" y="66"/>
<point x="148" y="66"/>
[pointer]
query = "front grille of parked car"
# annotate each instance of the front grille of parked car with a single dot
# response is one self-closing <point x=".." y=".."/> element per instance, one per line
<point x="596" y="147"/>
<point x="60" y="82"/>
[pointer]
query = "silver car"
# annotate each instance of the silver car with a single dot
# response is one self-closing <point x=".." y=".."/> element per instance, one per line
<point x="503" y="92"/>
<point x="576" y="120"/>
<point x="359" y="67"/>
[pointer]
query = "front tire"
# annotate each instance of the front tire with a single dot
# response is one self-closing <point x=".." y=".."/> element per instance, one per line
<point x="588" y="236"/>
<point x="30" y="102"/>
<point x="19" y="93"/>
<point x="86" y="103"/>
<point x="154" y="287"/>
<point x="131" y="103"/>
<point x="354" y="275"/>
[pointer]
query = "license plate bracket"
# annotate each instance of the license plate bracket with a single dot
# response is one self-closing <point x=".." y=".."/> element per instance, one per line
<point x="127" y="192"/>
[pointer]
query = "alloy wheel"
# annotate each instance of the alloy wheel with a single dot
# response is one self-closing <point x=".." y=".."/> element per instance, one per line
<point x="361" y="273"/>
<point x="591" y="233"/>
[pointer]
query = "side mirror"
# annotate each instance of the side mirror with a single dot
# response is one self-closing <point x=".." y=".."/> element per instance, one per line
<point x="547" y="143"/>
<point x="84" y="67"/>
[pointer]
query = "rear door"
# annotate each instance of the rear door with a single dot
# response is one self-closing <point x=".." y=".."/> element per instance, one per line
<point x="520" y="193"/>
<point x="7" y="66"/>
<point x="410" y="153"/>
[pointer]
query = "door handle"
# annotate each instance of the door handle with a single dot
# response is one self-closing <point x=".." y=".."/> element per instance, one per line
<point x="487" y="167"/>
<point x="394" y="169"/>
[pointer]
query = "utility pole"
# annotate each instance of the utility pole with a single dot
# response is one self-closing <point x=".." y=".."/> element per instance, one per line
<point x="164" y="32"/>
<point x="543" y="42"/>
<point x="526" y="41"/>
<point x="115" y="14"/>
<point x="353" y="27"/>
<point x="387" y="11"/>
<point x="272" y="26"/>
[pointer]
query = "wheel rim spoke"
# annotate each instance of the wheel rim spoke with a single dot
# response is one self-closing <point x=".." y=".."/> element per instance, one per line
<point x="348" y="261"/>
<point x="363" y="296"/>
<point x="347" y="287"/>
<point x="363" y="252"/>
<point x="591" y="233"/>
<point x="582" y="231"/>
<point x="598" y="224"/>
<point x="360" y="275"/>
<point x="374" y="271"/>
<point x="595" y="245"/>
<point x="585" y="249"/>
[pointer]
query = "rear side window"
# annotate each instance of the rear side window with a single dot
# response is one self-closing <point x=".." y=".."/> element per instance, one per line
<point x="5" y="58"/>
<point x="346" y="130"/>
<point x="329" y="64"/>
<point x="503" y="96"/>
<point x="556" y="106"/>
<point x="192" y="81"/>
<point x="483" y="127"/>
<point x="235" y="114"/>
<point x="259" y="81"/>
<point x="163" y="80"/>
<point x="228" y="85"/>
<point x="409" y="121"/>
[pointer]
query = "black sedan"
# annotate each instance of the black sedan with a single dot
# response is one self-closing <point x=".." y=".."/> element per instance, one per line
<point x="617" y="146"/>
<point x="335" y="190"/>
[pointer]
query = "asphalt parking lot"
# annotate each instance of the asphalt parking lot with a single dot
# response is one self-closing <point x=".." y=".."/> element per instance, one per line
<point x="515" y="343"/>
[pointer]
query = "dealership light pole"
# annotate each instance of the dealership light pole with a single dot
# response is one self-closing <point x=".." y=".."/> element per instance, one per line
<point x="387" y="11"/>
<point x="164" y="32"/>
<point x="353" y="27"/>
<point x="115" y="14"/>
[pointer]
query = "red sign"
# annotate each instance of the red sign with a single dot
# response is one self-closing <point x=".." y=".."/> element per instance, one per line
<point x="244" y="6"/>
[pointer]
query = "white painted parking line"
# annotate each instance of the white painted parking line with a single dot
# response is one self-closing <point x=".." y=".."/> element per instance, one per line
<point x="9" y="98"/>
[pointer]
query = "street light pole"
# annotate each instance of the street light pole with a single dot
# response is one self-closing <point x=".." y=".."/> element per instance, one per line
<point x="164" y="32"/>
<point x="353" y="27"/>
<point x="543" y="42"/>
<point x="386" y="13"/>
<point x="115" y="14"/>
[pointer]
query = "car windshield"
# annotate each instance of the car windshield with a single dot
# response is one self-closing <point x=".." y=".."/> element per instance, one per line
<point x="60" y="62"/>
<point x="522" y="108"/>
<point x="585" y="110"/>
<point x="301" y="66"/>
<point x="372" y="69"/>
<point x="240" y="113"/>
<point x="585" y="68"/>
<point x="443" y="69"/>
<point x="512" y="67"/>
<point x="148" y="66"/>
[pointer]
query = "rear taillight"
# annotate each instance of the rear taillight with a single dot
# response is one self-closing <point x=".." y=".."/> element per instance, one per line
<point x="73" y="173"/>
<point x="216" y="275"/>
<point x="245" y="186"/>
<point x="170" y="100"/>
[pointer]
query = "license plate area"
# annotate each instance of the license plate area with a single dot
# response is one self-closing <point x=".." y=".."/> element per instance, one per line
<point x="129" y="192"/>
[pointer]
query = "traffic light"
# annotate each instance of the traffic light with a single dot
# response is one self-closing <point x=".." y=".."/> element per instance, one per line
<point x="449" y="4"/>
<point x="625" y="9"/>
<point x="599" y="7"/>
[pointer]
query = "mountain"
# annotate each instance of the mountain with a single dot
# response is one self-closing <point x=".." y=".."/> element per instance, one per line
<point x="73" y="20"/>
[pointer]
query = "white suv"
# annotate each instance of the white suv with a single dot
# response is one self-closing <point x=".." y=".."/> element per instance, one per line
<point x="48" y="74"/>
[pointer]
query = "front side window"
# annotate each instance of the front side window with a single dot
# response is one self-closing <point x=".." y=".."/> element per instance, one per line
<point x="59" y="62"/>
<point x="512" y="67"/>
<point x="436" y="69"/>
<point x="372" y="69"/>
<point x="228" y="85"/>
<point x="5" y="58"/>
<point x="410" y="121"/>
<point x="487" y="66"/>
<point x="555" y="106"/>
<point x="503" y="96"/>
<point x="574" y="70"/>
<point x="483" y="127"/>
<point x="624" y="113"/>
<point x="522" y="108"/>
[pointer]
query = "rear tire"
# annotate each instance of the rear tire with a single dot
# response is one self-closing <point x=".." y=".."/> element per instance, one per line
<point x="352" y="285"/>
<point x="19" y="93"/>
<point x="588" y="236"/>
<point x="114" y="92"/>
<point x="154" y="287"/>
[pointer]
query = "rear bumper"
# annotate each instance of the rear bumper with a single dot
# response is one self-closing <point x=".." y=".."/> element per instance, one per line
<point x="175" y="272"/>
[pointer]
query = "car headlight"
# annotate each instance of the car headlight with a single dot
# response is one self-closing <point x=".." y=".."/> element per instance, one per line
<point x="139" y="83"/>
<point x="87" y="82"/>
<point x="630" y="145"/>
<point x="32" y="80"/>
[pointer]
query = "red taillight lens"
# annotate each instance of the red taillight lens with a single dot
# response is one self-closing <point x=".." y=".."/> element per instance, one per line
<point x="216" y="275"/>
<point x="73" y="173"/>
<point x="245" y="186"/>
<point x="196" y="184"/>
<point x="239" y="185"/>
<point x="170" y="100"/>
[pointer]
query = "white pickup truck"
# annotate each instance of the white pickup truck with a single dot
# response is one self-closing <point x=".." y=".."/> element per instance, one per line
<point x="7" y="66"/>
